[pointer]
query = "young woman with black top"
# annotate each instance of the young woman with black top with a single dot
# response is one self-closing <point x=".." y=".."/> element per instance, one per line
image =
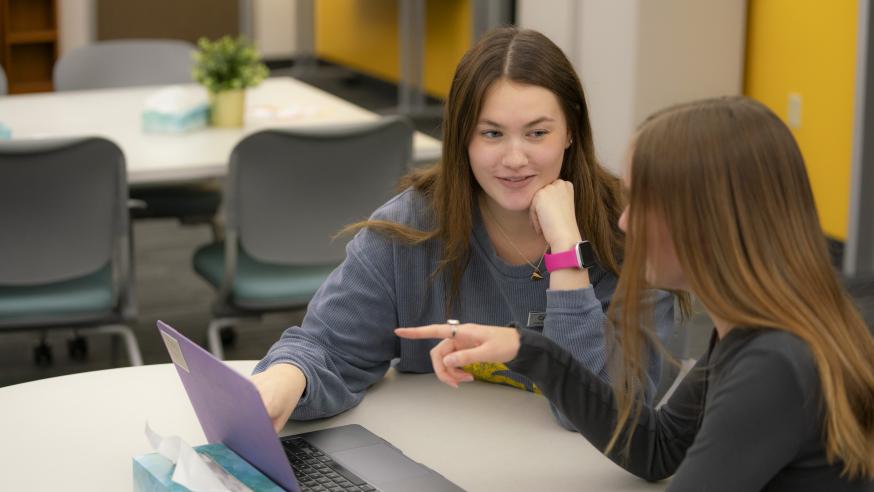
<point x="721" y="207"/>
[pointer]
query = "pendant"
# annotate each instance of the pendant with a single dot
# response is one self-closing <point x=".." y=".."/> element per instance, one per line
<point x="535" y="275"/>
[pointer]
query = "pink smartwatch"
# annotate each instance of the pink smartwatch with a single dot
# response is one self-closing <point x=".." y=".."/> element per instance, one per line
<point x="581" y="257"/>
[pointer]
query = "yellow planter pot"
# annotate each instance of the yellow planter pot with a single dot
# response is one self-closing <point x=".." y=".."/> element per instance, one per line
<point x="228" y="108"/>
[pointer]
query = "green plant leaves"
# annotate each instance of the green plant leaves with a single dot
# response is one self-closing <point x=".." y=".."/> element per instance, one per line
<point x="228" y="63"/>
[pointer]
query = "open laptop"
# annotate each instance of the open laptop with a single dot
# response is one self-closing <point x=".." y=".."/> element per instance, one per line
<point x="231" y="412"/>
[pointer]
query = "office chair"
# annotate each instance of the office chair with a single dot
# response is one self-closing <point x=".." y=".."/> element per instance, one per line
<point x="65" y="246"/>
<point x="125" y="63"/>
<point x="143" y="62"/>
<point x="686" y="337"/>
<point x="287" y="193"/>
<point x="4" y="89"/>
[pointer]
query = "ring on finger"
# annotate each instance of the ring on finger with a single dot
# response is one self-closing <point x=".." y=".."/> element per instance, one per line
<point x="454" y="324"/>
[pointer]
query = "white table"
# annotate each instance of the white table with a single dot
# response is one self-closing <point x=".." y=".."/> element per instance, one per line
<point x="79" y="432"/>
<point x="203" y="154"/>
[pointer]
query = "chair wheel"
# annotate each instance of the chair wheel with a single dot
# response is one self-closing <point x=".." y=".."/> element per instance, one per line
<point x="228" y="336"/>
<point x="42" y="355"/>
<point x="77" y="348"/>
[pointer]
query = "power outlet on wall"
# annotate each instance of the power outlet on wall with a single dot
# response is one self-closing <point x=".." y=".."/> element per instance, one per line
<point x="793" y="111"/>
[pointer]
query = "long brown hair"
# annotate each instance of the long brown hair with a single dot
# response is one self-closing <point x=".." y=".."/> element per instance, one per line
<point x="527" y="57"/>
<point x="728" y="179"/>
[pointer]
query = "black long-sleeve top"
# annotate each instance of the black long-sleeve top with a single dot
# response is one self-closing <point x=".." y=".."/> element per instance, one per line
<point x="747" y="417"/>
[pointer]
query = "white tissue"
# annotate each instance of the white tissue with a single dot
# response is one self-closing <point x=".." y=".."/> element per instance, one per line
<point x="195" y="472"/>
<point x="176" y="110"/>
<point x="177" y="100"/>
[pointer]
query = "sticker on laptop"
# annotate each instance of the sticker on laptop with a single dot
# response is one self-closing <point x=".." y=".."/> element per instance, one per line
<point x="175" y="351"/>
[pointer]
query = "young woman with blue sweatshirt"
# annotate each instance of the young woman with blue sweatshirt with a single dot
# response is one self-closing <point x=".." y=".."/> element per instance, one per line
<point x="466" y="239"/>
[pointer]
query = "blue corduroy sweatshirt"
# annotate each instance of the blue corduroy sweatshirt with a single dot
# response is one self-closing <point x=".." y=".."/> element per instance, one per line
<point x="346" y="341"/>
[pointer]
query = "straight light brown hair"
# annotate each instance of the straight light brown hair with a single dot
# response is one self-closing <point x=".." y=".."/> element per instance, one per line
<point x="728" y="179"/>
<point x="525" y="57"/>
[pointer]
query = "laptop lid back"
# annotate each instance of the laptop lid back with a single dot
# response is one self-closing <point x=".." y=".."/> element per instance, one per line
<point x="229" y="407"/>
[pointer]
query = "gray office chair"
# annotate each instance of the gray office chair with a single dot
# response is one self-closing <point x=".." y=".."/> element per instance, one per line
<point x="143" y="62"/>
<point x="3" y="85"/>
<point x="125" y="63"/>
<point x="287" y="193"/>
<point x="65" y="247"/>
<point x="685" y="343"/>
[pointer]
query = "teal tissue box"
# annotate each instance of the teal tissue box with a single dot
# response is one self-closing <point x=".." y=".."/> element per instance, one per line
<point x="160" y="122"/>
<point x="152" y="472"/>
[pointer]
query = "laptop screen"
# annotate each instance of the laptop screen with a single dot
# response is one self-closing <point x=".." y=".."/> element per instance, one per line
<point x="229" y="407"/>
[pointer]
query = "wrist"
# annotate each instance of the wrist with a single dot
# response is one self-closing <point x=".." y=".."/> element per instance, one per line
<point x="580" y="256"/>
<point x="516" y="344"/>
<point x="292" y="374"/>
<point x="569" y="279"/>
<point x="564" y="243"/>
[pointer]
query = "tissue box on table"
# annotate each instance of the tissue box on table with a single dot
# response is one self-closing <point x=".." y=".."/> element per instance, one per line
<point x="176" y="110"/>
<point x="153" y="472"/>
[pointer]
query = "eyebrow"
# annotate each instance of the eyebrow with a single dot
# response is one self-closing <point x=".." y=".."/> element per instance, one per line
<point x="542" y="119"/>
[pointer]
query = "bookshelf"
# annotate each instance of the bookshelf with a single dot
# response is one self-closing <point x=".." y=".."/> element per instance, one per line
<point x="28" y="43"/>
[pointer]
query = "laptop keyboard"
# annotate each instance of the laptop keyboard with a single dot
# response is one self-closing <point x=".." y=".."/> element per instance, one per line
<point x="317" y="472"/>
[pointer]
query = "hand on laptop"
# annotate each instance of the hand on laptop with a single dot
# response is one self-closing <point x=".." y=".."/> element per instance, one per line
<point x="470" y="343"/>
<point x="281" y="387"/>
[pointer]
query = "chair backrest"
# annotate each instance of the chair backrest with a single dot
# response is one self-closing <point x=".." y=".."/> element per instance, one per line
<point x="63" y="209"/>
<point x="3" y="86"/>
<point x="125" y="63"/>
<point x="289" y="191"/>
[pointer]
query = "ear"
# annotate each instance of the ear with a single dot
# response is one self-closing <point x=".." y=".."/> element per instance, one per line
<point x="570" y="140"/>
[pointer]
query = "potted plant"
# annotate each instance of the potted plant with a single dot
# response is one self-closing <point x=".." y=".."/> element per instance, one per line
<point x="226" y="67"/>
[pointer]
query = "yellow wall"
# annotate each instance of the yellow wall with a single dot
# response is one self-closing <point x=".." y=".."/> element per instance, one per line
<point x="809" y="47"/>
<point x="363" y="34"/>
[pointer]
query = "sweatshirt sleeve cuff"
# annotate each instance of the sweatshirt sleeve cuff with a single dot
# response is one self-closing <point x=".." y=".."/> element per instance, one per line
<point x="575" y="300"/>
<point x="264" y="364"/>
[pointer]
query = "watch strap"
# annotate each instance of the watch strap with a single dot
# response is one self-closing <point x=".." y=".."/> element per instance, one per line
<point x="562" y="260"/>
<point x="580" y="256"/>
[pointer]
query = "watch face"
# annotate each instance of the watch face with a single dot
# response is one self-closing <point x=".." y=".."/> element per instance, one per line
<point x="587" y="254"/>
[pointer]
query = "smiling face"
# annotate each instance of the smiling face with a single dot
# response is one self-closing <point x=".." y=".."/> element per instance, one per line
<point x="518" y="144"/>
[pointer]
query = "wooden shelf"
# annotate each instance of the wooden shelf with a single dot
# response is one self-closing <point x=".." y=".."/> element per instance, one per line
<point x="25" y="87"/>
<point x="28" y="43"/>
<point x="30" y="37"/>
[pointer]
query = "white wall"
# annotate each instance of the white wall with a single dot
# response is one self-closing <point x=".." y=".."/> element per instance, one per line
<point x="275" y="22"/>
<point x="689" y="49"/>
<point x="76" y="24"/>
<point x="541" y="15"/>
<point x="607" y="34"/>
<point x="637" y="56"/>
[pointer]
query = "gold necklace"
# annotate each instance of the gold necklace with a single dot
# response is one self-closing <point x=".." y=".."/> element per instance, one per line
<point x="535" y="269"/>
